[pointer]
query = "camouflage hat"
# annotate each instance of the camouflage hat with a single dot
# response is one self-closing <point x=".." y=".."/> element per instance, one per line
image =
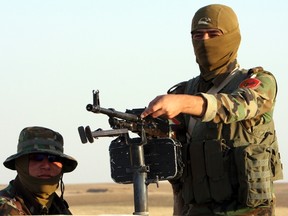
<point x="41" y="140"/>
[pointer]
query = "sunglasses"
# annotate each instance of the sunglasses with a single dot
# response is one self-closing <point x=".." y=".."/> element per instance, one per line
<point x="40" y="157"/>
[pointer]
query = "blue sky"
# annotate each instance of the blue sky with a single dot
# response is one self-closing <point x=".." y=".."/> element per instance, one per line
<point x="54" y="53"/>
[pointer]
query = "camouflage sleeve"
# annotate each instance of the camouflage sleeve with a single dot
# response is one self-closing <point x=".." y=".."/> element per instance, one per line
<point x="8" y="207"/>
<point x="254" y="97"/>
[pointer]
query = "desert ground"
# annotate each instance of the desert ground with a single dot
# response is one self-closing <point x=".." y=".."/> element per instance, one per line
<point x="112" y="198"/>
<point x="117" y="199"/>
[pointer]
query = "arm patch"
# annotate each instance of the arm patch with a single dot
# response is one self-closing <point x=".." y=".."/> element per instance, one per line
<point x="251" y="83"/>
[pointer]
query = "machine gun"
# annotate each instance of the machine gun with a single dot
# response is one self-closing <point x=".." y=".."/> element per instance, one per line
<point x="151" y="157"/>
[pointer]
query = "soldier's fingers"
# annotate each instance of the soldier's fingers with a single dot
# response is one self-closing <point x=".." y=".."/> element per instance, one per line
<point x="145" y="113"/>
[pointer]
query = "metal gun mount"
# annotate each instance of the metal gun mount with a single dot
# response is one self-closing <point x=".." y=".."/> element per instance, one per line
<point x="137" y="161"/>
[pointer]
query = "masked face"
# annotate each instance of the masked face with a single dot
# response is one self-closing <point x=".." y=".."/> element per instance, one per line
<point x="218" y="49"/>
<point x="40" y="186"/>
<point x="44" y="166"/>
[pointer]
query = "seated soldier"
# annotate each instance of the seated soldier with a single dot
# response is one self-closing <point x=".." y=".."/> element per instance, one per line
<point x="40" y="164"/>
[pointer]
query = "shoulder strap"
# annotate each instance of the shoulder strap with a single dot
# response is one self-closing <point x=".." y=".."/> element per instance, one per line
<point x="178" y="88"/>
<point x="212" y="90"/>
<point x="215" y="89"/>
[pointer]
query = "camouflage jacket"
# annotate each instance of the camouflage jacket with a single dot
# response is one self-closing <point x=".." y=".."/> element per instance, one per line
<point x="12" y="202"/>
<point x="232" y="149"/>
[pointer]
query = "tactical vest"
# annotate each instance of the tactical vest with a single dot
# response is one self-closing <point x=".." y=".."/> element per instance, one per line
<point x="230" y="161"/>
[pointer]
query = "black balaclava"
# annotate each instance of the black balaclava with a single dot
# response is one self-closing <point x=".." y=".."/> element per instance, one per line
<point x="216" y="55"/>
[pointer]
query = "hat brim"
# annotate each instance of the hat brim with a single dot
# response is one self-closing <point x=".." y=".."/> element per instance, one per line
<point x="69" y="163"/>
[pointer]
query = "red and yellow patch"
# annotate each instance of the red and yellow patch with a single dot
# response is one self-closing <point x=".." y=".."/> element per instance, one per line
<point x="251" y="83"/>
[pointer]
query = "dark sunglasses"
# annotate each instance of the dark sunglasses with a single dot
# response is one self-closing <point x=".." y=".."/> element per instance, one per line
<point x="40" y="157"/>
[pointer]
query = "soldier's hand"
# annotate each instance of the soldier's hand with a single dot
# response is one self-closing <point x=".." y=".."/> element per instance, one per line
<point x="164" y="105"/>
<point x="170" y="105"/>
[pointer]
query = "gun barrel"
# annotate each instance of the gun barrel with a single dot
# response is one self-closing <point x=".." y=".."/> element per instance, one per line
<point x="112" y="113"/>
<point x="107" y="133"/>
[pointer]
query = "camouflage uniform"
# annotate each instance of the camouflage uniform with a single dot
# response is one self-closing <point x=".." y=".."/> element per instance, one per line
<point x="231" y="158"/>
<point x="14" y="202"/>
<point x="231" y="153"/>
<point x="17" y="198"/>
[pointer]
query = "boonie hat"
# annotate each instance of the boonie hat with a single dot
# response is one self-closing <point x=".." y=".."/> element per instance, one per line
<point x="41" y="140"/>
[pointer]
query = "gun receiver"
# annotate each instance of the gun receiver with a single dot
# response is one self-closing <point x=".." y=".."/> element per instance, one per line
<point x="154" y="155"/>
<point x="121" y="122"/>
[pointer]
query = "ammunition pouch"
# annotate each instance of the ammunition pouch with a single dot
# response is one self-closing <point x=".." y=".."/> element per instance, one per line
<point x="258" y="166"/>
<point x="242" y="168"/>
<point x="209" y="171"/>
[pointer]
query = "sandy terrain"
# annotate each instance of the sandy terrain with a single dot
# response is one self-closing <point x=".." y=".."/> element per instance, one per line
<point x="112" y="198"/>
<point x="101" y="199"/>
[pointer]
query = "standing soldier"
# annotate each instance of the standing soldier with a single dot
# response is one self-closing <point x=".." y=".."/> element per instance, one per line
<point x="231" y="155"/>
